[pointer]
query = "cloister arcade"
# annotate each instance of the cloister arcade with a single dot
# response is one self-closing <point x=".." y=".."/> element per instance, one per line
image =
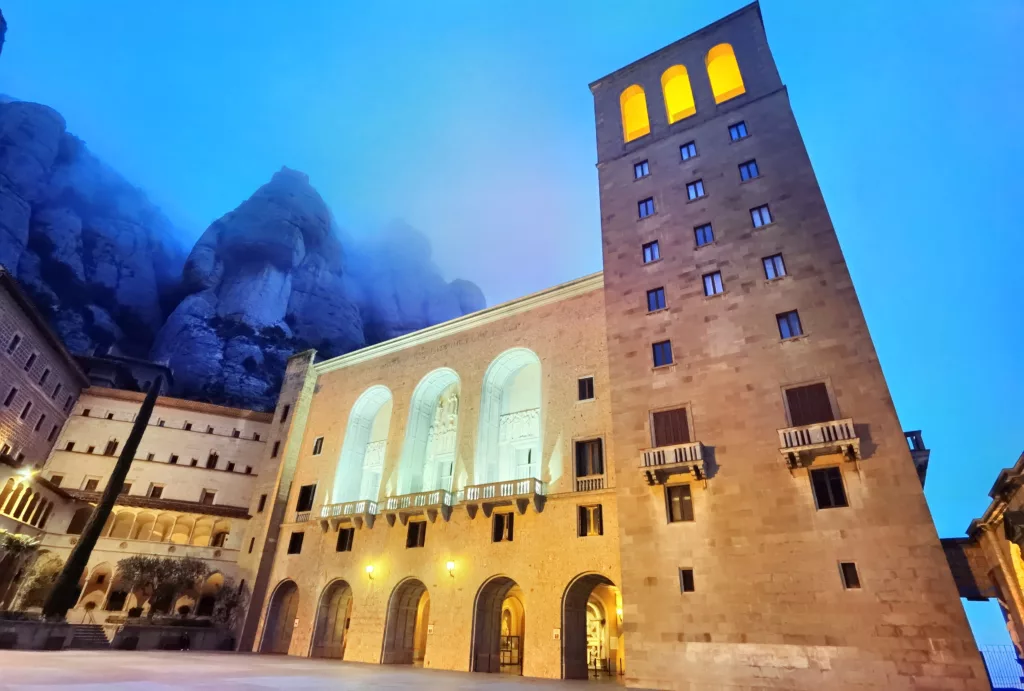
<point x="150" y="526"/>
<point x="103" y="589"/>
<point x="19" y="501"/>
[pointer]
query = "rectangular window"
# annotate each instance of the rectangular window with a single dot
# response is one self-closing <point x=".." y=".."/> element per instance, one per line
<point x="761" y="216"/>
<point x="91" y="484"/>
<point x="641" y="170"/>
<point x="651" y="252"/>
<point x="848" y="572"/>
<point x="345" y="538"/>
<point x="173" y="459"/>
<point x="10" y="396"/>
<point x="305" y="500"/>
<point x="829" y="492"/>
<point x="262" y="503"/>
<point x="70" y="446"/>
<point x="26" y="410"/>
<point x="188" y="426"/>
<point x="40" y="421"/>
<point x="688" y="151"/>
<point x="194" y="462"/>
<point x="55" y="480"/>
<point x="13" y="345"/>
<point x="416" y="535"/>
<point x="274" y="449"/>
<point x="645" y="207"/>
<point x="231" y="467"/>
<point x="235" y="433"/>
<point x="111" y="448"/>
<point x="738" y="131"/>
<point x="695" y="189"/>
<point x="110" y="416"/>
<point x="44" y="376"/>
<point x="774" y="267"/>
<point x="211" y="460"/>
<point x="713" y="283"/>
<point x="789" y="324"/>
<point x="156" y="491"/>
<point x="255" y="436"/>
<point x="655" y="299"/>
<point x="56" y="392"/>
<point x="703" y="235"/>
<point x="585" y="388"/>
<point x="207" y="496"/>
<point x="670" y="427"/>
<point x="748" y="170"/>
<point x="248" y="470"/>
<point x="159" y="423"/>
<point x="53" y="433"/>
<point x="662" y="353"/>
<point x="209" y="430"/>
<point x="126" y="488"/>
<point x="284" y="412"/>
<point x="31" y="361"/>
<point x="318" y="446"/>
<point x="809" y="405"/>
<point x="150" y="456"/>
<point x="678" y="503"/>
<point x="501" y="527"/>
<point x="5" y="450"/>
<point x="686" y="580"/>
<point x="589" y="521"/>
<point x="252" y="543"/>
<point x="295" y="543"/>
<point x="589" y="458"/>
<point x="67" y="403"/>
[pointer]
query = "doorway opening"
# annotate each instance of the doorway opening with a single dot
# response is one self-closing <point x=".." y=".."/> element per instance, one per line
<point x="280" y="623"/>
<point x="592" y="636"/>
<point x="499" y="627"/>
<point x="332" y="621"/>
<point x="405" y="634"/>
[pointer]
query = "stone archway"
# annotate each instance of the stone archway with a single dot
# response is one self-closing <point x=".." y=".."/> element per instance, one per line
<point x="280" y="622"/>
<point x="332" y="619"/>
<point x="406" y="623"/>
<point x="591" y="629"/>
<point x="499" y="620"/>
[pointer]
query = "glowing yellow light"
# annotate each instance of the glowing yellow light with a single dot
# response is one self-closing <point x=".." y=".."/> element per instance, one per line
<point x="634" y="113"/>
<point x="369" y="570"/>
<point x="451" y="568"/>
<point x="675" y="85"/>
<point x="27" y="472"/>
<point x="724" y="73"/>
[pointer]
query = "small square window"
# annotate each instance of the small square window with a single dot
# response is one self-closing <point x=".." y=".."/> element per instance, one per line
<point x="159" y="423"/>
<point x="284" y="412"/>
<point x="713" y="284"/>
<point x="305" y="500"/>
<point x="231" y="467"/>
<point x="295" y="543"/>
<point x="848" y="572"/>
<point x="686" y="580"/>
<point x="90" y="449"/>
<point x="688" y="151"/>
<point x="248" y="470"/>
<point x="70" y="446"/>
<point x="345" y="538"/>
<point x="641" y="170"/>
<point x="703" y="235"/>
<point x="738" y="131"/>
<point x="13" y="345"/>
<point x="651" y="252"/>
<point x="655" y="299"/>
<point x="645" y="207"/>
<point x="761" y="216"/>
<point x="774" y="267"/>
<point x="235" y="434"/>
<point x="318" y="446"/>
<point x="209" y="430"/>
<point x="156" y="491"/>
<point x="188" y="426"/>
<point x="416" y="535"/>
<point x="110" y="416"/>
<point x="749" y="171"/>
<point x="173" y="459"/>
<point x="261" y="504"/>
<point x="589" y="521"/>
<point x="678" y="503"/>
<point x="150" y="456"/>
<point x="501" y="527"/>
<point x="10" y="396"/>
<point x="55" y="480"/>
<point x="207" y="496"/>
<point x="695" y="189"/>
<point x="194" y="462"/>
<point x="829" y="492"/>
<point x="662" y="353"/>
<point x="255" y="436"/>
<point x="585" y="386"/>
<point x="789" y="324"/>
<point x="275" y="449"/>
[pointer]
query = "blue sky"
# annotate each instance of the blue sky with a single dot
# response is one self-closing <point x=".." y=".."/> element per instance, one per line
<point x="473" y="122"/>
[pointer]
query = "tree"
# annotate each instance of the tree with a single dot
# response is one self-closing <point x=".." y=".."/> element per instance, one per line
<point x="161" y="578"/>
<point x="230" y="603"/>
<point x="39" y="581"/>
<point x="16" y="544"/>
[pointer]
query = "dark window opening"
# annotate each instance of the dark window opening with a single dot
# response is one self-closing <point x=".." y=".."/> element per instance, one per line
<point x="13" y="345"/>
<point x="416" y="535"/>
<point x="10" y="396"/>
<point x="111" y="448"/>
<point x="679" y="503"/>
<point x="91" y="485"/>
<point x="262" y="503"/>
<point x="211" y="460"/>
<point x="585" y="386"/>
<point x="284" y="412"/>
<point x="345" y="538"/>
<point x="589" y="521"/>
<point x="686" y="580"/>
<point x="252" y="543"/>
<point x="848" y="571"/>
<point x="173" y="459"/>
<point x="670" y="427"/>
<point x="305" y="500"/>
<point x="275" y="449"/>
<point x="589" y="458"/>
<point x="318" y="446"/>
<point x="829" y="492"/>
<point x="295" y="543"/>
<point x="501" y="527"/>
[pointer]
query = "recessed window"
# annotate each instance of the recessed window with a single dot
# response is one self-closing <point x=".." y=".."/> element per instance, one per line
<point x="156" y="491"/>
<point x="662" y="353"/>
<point x="688" y="151"/>
<point x="248" y="470"/>
<point x="150" y="456"/>
<point x="188" y="426"/>
<point x="589" y="521"/>
<point x="501" y="527"/>
<point x="90" y="449"/>
<point x="678" y="503"/>
<point x="255" y="436"/>
<point x="173" y="459"/>
<point x="641" y="170"/>
<point x="91" y="484"/>
<point x="275" y="449"/>
<point x="13" y="345"/>
<point x="39" y="422"/>
<point x="585" y="386"/>
<point x="207" y="496"/>
<point x="110" y="416"/>
<point x="211" y="460"/>
<point x="252" y="543"/>
<point x="209" y="430"/>
<point x="695" y="189"/>
<point x="416" y="534"/>
<point x="686" y="580"/>
<point x="67" y="403"/>
<point x="53" y="433"/>
<point x="160" y="423"/>
<point x="295" y="543"/>
<point x="589" y="458"/>
<point x="44" y="376"/>
<point x="651" y="252"/>
<point x="345" y="538"/>
<point x="761" y="216"/>
<point x="10" y="396"/>
<point x="713" y="284"/>
<point x="56" y="391"/>
<point x="194" y="462"/>
<point x="645" y="207"/>
<point x="749" y="171"/>
<point x="670" y="427"/>
<point x="655" y="299"/>
<point x="284" y="412"/>
<point x="829" y="492"/>
<point x="126" y="488"/>
<point x="848" y="572"/>
<point x="738" y="131"/>
<point x="262" y="503"/>
<point x="774" y="267"/>
<point x="26" y="410"/>
<point x="318" y="446"/>
<point x="111" y="448"/>
<point x="703" y="235"/>
<point x="55" y="480"/>
<point x="305" y="500"/>
<point x="789" y="324"/>
<point x="231" y="466"/>
<point x="31" y="361"/>
<point x="70" y="446"/>
<point x="236" y="433"/>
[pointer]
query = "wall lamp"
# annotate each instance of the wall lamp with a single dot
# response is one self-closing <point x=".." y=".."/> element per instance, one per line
<point x="27" y="473"/>
<point x="451" y="568"/>
<point x="369" y="571"/>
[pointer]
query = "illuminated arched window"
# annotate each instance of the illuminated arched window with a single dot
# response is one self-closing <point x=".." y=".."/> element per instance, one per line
<point x="634" y="113"/>
<point x="724" y="73"/>
<point x="675" y="85"/>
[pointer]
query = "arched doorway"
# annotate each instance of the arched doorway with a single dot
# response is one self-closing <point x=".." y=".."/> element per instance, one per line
<point x="332" y="618"/>
<point x="499" y="627"/>
<point x="280" y="623"/>
<point x="592" y="637"/>
<point x="405" y="634"/>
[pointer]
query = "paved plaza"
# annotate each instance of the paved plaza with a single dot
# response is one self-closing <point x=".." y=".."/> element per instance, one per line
<point x="79" y="670"/>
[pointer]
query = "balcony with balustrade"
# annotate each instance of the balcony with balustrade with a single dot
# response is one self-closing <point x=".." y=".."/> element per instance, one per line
<point x="519" y="493"/>
<point x="662" y="462"/>
<point x="919" y="452"/>
<point x="431" y="504"/>
<point x="800" y="445"/>
<point x="357" y="513"/>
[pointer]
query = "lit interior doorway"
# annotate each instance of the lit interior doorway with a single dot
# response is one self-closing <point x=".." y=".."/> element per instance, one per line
<point x="499" y="627"/>
<point x="332" y="621"/>
<point x="405" y="634"/>
<point x="280" y="623"/>
<point x="592" y="636"/>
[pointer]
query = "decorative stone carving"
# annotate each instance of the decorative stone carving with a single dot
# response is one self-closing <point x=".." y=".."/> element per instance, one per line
<point x="523" y="424"/>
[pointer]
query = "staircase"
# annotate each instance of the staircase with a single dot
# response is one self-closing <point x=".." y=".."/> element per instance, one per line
<point x="88" y="637"/>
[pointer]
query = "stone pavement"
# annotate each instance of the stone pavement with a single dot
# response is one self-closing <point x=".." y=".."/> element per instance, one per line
<point x="86" y="670"/>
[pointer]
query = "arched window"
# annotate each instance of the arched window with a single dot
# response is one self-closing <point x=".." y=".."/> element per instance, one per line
<point x="362" y="450"/>
<point x="724" y="73"/>
<point x="509" y="433"/>
<point x="675" y="86"/>
<point x="428" y="456"/>
<point x="634" y="113"/>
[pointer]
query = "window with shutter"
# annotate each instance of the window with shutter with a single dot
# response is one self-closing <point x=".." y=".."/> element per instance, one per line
<point x="345" y="538"/>
<point x="501" y="527"/>
<point x="417" y="534"/>
<point x="670" y="427"/>
<point x="679" y="503"/>
<point x="305" y="500"/>
<point x="589" y="458"/>
<point x="589" y="521"/>
<point x="809" y="404"/>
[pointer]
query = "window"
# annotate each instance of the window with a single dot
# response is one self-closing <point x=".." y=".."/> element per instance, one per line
<point x="274" y="450"/>
<point x="211" y="460"/>
<point x="194" y="462"/>
<point x="748" y="171"/>
<point x="207" y="496"/>
<point x="26" y="410"/>
<point x="188" y="426"/>
<point x="67" y="403"/>
<point x="31" y="361"/>
<point x="827" y="484"/>
<point x="209" y="430"/>
<point x="645" y="207"/>
<point x="589" y="521"/>
<point x="159" y="423"/>
<point x="248" y="470"/>
<point x="655" y="299"/>
<point x="318" y="446"/>
<point x="40" y="421"/>
<point x="173" y="459"/>
<point x="761" y="216"/>
<point x="809" y="405"/>
<point x="91" y="484"/>
<point x="70" y="446"/>
<point x="585" y="388"/>
<point x="662" y="353"/>
<point x="90" y="449"/>
<point x="56" y="392"/>
<point x="231" y="467"/>
<point x="789" y="324"/>
<point x="848" y="572"/>
<point x="295" y="543"/>
<point x="703" y="235"/>
<point x="255" y="436"/>
<point x="686" y="580"/>
<point x="44" y="376"/>
<point x="13" y="345"/>
<point x="678" y="503"/>
<point x="55" y="480"/>
<point x="126" y="488"/>
<point x="19" y="458"/>
<point x="111" y="448"/>
<point x="53" y="433"/>
<point x="501" y="527"/>
<point x="651" y="252"/>
<point x="724" y="73"/>
<point x="774" y="267"/>
<point x="5" y="450"/>
<point x="252" y="543"/>
<point x="589" y="458"/>
<point x="641" y="170"/>
<point x="235" y="433"/>
<point x="633" y="105"/>
<point x="345" y="538"/>
<point x="688" y="151"/>
<point x="150" y="456"/>
<point x="416" y="535"/>
<point x="675" y="87"/>
<point x="713" y="284"/>
<point x="284" y="412"/>
<point x="110" y="416"/>
<point x="262" y="503"/>
<point x="738" y="131"/>
<point x="695" y="189"/>
<point x="670" y="427"/>
<point x="305" y="500"/>
<point x="156" y="491"/>
<point x="10" y="396"/>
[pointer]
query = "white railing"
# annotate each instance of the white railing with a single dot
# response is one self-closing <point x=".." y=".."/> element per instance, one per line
<point x="587" y="484"/>
<point x="502" y="490"/>
<point x="818" y="434"/>
<point x="679" y="453"/>
<point x="302" y="516"/>
<point x="349" y="508"/>
<point x="437" y="497"/>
